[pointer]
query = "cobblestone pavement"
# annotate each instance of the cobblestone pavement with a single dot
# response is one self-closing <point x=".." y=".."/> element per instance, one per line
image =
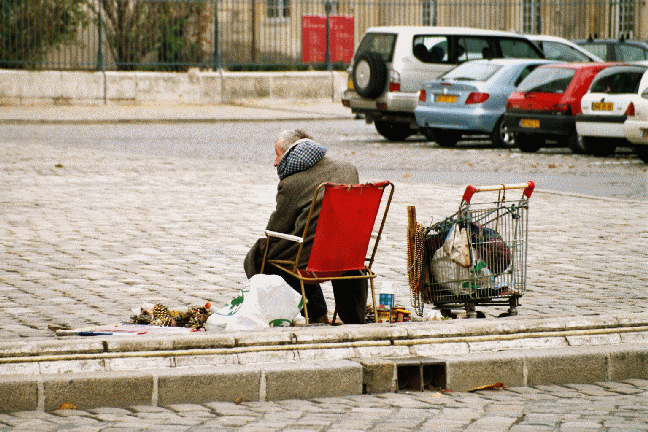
<point x="86" y="236"/>
<point x="601" y="407"/>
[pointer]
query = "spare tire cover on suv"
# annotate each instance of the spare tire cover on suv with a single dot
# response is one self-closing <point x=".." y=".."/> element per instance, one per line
<point x="369" y="74"/>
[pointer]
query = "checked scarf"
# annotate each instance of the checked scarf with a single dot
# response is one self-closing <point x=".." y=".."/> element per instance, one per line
<point x="302" y="155"/>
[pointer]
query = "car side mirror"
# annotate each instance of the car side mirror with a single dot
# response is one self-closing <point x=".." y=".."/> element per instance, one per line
<point x="644" y="94"/>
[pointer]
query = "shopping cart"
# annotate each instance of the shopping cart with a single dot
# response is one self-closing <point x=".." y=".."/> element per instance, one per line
<point x="477" y="256"/>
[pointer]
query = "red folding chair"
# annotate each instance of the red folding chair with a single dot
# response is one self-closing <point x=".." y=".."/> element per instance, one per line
<point x="344" y="229"/>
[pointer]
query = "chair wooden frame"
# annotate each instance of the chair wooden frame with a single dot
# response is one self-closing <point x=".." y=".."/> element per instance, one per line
<point x="291" y="266"/>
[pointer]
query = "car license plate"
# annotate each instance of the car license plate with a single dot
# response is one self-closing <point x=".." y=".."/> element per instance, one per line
<point x="530" y="123"/>
<point x="602" y="106"/>
<point x="644" y="133"/>
<point x="446" y="98"/>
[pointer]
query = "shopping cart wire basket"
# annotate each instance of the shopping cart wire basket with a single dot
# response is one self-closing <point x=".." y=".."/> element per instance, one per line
<point x="477" y="256"/>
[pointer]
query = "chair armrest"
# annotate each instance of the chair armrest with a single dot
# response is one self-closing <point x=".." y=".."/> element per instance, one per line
<point x="284" y="236"/>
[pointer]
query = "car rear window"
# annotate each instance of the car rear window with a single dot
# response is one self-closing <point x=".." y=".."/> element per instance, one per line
<point x="598" y="49"/>
<point x="519" y="48"/>
<point x="559" y="51"/>
<point x="627" y="52"/>
<point x="472" y="72"/>
<point x="473" y="48"/>
<point x="431" y="48"/>
<point x="381" y="43"/>
<point x="617" y="83"/>
<point x="547" y="80"/>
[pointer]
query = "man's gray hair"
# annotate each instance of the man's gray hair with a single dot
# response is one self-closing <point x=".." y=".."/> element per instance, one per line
<point x="290" y="137"/>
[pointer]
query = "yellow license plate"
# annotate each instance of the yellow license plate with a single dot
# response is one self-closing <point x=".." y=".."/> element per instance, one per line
<point x="446" y="98"/>
<point x="602" y="106"/>
<point x="530" y="123"/>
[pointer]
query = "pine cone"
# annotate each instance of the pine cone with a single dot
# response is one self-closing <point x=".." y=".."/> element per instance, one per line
<point x="161" y="312"/>
<point x="143" y="318"/>
<point x="164" y="322"/>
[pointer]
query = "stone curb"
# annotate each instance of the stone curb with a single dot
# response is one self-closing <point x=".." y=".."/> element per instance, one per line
<point x="312" y="379"/>
<point x="99" y="121"/>
<point x="246" y="111"/>
<point x="308" y="362"/>
<point x="503" y="332"/>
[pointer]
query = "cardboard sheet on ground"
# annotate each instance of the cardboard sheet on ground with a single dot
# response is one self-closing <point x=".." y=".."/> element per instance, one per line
<point x="122" y="329"/>
<point x="265" y="301"/>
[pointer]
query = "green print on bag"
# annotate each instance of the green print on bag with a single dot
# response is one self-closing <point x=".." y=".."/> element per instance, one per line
<point x="232" y="307"/>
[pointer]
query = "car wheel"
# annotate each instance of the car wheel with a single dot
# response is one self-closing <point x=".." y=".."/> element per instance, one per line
<point x="575" y="143"/>
<point x="369" y="75"/>
<point x="528" y="143"/>
<point x="598" y="146"/>
<point x="393" y="131"/>
<point x="500" y="136"/>
<point x="427" y="133"/>
<point x="642" y="152"/>
<point x="446" y="138"/>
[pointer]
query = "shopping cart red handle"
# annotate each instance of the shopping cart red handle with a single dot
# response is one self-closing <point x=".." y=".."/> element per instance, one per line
<point x="471" y="190"/>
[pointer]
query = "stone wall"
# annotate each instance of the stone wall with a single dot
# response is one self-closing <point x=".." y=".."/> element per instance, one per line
<point x="141" y="88"/>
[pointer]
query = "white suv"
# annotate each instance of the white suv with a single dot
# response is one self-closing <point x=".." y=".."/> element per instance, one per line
<point x="391" y="63"/>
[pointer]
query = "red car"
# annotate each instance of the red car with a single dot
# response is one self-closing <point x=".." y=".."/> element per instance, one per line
<point x="544" y="105"/>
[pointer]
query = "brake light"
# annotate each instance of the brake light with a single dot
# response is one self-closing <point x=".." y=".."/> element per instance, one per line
<point x="562" y="109"/>
<point x="509" y="105"/>
<point x="422" y="96"/>
<point x="476" y="98"/>
<point x="394" y="81"/>
<point x="630" y="111"/>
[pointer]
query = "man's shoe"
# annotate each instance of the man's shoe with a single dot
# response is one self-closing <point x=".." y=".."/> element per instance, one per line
<point x="323" y="319"/>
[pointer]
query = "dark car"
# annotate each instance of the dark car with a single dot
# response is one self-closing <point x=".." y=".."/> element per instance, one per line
<point x="615" y="50"/>
<point x="545" y="104"/>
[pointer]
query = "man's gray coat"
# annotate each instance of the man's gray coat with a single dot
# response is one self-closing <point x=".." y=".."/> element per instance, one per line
<point x="294" y="197"/>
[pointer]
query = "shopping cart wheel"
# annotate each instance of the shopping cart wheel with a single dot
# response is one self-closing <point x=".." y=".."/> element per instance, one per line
<point x="447" y="313"/>
<point x="470" y="310"/>
<point x="514" y="302"/>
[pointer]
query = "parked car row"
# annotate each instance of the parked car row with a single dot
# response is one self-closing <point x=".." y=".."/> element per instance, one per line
<point x="390" y="64"/>
<point x="448" y="82"/>
<point x="591" y="108"/>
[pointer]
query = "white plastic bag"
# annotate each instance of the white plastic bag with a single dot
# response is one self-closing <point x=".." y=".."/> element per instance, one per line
<point x="265" y="301"/>
<point x="456" y="246"/>
<point x="457" y="267"/>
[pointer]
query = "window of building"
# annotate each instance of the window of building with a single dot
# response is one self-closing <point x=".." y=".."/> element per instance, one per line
<point x="531" y="21"/>
<point x="428" y="13"/>
<point x="278" y="8"/>
<point x="625" y="14"/>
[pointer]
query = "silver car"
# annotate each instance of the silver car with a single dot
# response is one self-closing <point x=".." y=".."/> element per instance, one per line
<point x="470" y="100"/>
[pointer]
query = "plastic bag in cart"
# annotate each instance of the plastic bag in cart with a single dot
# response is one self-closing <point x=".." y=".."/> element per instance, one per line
<point x="456" y="246"/>
<point x="450" y="271"/>
<point x="490" y="247"/>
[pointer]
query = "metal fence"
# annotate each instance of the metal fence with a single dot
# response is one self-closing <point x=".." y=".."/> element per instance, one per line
<point x="175" y="35"/>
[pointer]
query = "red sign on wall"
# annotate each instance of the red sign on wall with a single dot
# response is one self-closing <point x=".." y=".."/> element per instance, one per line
<point x="314" y="38"/>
